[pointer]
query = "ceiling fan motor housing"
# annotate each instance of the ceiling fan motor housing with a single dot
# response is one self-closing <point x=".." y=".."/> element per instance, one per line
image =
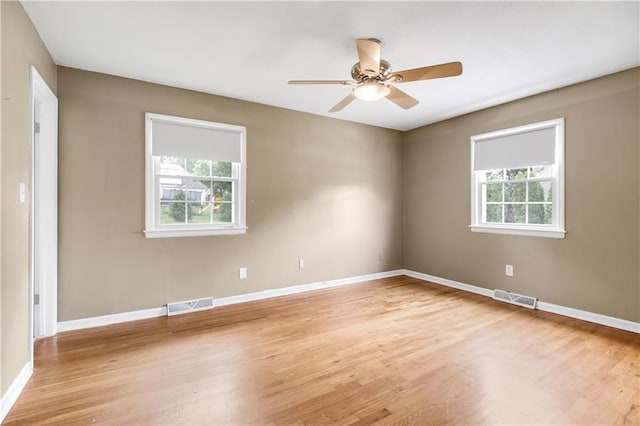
<point x="359" y="76"/>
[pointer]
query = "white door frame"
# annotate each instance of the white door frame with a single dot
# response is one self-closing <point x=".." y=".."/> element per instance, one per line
<point x="43" y="259"/>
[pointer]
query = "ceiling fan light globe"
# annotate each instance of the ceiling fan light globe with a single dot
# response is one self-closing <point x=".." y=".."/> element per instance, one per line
<point x="371" y="91"/>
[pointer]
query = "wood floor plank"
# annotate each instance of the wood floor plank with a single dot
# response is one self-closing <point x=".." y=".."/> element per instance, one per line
<point x="391" y="351"/>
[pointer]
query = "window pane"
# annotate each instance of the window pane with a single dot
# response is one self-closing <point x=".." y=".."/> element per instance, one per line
<point x="514" y="213"/>
<point x="222" y="212"/>
<point x="513" y="174"/>
<point x="193" y="190"/>
<point x="171" y="193"/>
<point x="540" y="191"/>
<point x="515" y="191"/>
<point x="189" y="166"/>
<point x="199" y="213"/>
<point x="221" y="169"/>
<point x="497" y="174"/>
<point x="195" y="167"/>
<point x="168" y="193"/>
<point x="172" y="166"/>
<point x="537" y="213"/>
<point x="221" y="191"/>
<point x="494" y="213"/>
<point x="195" y="195"/>
<point x="200" y="168"/>
<point x="172" y="213"/>
<point x="222" y="196"/>
<point x="541" y="171"/>
<point x="494" y="192"/>
<point x="548" y="214"/>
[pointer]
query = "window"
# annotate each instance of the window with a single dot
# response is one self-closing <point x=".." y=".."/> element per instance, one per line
<point x="517" y="180"/>
<point x="195" y="177"/>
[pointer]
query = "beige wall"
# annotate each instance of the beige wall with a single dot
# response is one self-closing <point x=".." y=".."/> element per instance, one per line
<point x="320" y="189"/>
<point x="21" y="47"/>
<point x="325" y="190"/>
<point x="595" y="268"/>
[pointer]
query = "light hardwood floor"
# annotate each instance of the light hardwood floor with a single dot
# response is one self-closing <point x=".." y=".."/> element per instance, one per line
<point x="394" y="351"/>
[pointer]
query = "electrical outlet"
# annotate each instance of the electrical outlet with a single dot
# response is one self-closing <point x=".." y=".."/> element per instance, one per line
<point x="301" y="263"/>
<point x="508" y="270"/>
<point x="243" y="273"/>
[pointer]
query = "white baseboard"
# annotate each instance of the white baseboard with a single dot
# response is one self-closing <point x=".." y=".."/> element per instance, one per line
<point x="266" y="294"/>
<point x="12" y="394"/>
<point x="543" y="306"/>
<point x="450" y="283"/>
<point x="111" y="319"/>
<point x="223" y="301"/>
<point x="614" y="322"/>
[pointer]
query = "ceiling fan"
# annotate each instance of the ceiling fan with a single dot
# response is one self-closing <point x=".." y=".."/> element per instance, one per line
<point x="373" y="79"/>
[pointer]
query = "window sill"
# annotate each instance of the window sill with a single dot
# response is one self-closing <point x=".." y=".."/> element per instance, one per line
<point x="171" y="233"/>
<point x="508" y="230"/>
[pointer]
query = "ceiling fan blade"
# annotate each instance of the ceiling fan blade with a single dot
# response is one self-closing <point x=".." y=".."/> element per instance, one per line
<point x="449" y="69"/>
<point x="342" y="82"/>
<point x="343" y="103"/>
<point x="369" y="56"/>
<point x="401" y="99"/>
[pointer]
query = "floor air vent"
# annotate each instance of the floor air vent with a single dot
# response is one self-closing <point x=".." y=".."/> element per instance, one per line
<point x="516" y="299"/>
<point x="177" y="308"/>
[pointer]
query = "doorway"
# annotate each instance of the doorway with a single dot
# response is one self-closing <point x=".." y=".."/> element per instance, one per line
<point x="43" y="259"/>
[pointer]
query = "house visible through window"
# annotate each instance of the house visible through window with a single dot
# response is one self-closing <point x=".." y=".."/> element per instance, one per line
<point x="517" y="183"/>
<point x="206" y="198"/>
<point x="195" y="177"/>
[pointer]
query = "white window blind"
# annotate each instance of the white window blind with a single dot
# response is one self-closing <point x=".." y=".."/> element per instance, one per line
<point x="203" y="143"/>
<point x="532" y="148"/>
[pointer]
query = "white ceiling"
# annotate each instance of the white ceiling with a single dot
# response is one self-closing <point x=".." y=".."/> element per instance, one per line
<point x="249" y="50"/>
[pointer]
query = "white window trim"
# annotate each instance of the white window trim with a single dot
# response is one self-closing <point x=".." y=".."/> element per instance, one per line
<point x="549" y="231"/>
<point x="152" y="230"/>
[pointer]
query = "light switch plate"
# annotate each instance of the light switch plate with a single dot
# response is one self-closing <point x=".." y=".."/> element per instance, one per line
<point x="23" y="193"/>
